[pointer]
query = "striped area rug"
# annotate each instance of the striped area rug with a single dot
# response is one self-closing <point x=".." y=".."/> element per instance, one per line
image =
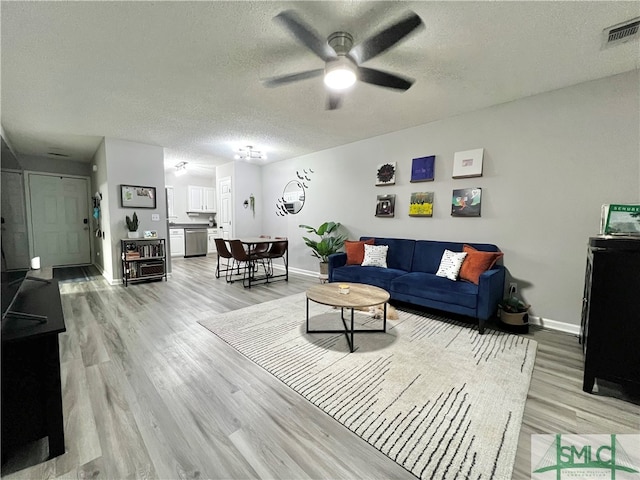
<point x="431" y="394"/>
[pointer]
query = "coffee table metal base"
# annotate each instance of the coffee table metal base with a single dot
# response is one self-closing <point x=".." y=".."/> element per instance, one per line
<point x="348" y="329"/>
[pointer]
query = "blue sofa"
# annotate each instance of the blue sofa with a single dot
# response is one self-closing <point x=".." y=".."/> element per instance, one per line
<point x="411" y="277"/>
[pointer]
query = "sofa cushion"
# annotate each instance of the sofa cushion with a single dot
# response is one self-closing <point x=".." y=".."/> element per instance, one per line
<point x="377" y="276"/>
<point x="400" y="254"/>
<point x="477" y="262"/>
<point x="355" y="250"/>
<point x="428" y="285"/>
<point x="450" y="264"/>
<point x="429" y="252"/>
<point x="375" y="256"/>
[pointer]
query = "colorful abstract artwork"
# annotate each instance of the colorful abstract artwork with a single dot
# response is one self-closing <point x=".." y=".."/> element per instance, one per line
<point x="421" y="204"/>
<point x="466" y="202"/>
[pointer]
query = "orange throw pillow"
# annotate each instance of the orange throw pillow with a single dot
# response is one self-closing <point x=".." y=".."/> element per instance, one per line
<point x="355" y="251"/>
<point x="476" y="262"/>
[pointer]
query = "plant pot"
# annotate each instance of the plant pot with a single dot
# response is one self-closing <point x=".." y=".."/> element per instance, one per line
<point x="514" y="322"/>
<point x="135" y="234"/>
<point x="324" y="268"/>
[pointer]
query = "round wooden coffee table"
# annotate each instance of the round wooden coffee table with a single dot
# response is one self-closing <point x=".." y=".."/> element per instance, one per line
<point x="360" y="295"/>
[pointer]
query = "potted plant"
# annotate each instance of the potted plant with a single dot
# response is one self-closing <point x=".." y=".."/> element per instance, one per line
<point x="330" y="242"/>
<point x="514" y="312"/>
<point x="132" y="225"/>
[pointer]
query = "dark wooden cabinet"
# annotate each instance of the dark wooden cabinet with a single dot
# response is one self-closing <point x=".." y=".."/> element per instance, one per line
<point x="31" y="387"/>
<point x="610" y="328"/>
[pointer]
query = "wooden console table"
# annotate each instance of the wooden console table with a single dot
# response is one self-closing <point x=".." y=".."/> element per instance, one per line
<point x="31" y="388"/>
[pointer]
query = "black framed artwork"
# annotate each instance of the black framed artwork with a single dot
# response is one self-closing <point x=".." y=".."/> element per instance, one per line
<point x="135" y="196"/>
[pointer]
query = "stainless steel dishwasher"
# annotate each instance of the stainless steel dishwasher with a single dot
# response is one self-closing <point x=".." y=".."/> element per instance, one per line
<point x="195" y="242"/>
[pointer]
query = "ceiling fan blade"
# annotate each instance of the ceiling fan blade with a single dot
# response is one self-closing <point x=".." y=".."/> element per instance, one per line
<point x="382" y="41"/>
<point x="334" y="101"/>
<point x="293" y="77"/>
<point x="305" y="34"/>
<point x="384" y="79"/>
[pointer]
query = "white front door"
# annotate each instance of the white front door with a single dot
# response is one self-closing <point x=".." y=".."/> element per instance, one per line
<point x="15" y="244"/>
<point x="60" y="219"/>
<point x="225" y="212"/>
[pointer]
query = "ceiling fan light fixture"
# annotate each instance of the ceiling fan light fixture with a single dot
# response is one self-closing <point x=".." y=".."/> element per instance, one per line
<point x="340" y="74"/>
<point x="248" y="153"/>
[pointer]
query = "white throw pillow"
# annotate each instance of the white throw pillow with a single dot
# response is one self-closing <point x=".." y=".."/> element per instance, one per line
<point x="450" y="264"/>
<point x="375" y="256"/>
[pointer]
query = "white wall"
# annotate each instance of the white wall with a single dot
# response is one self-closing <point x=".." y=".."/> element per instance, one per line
<point x="550" y="162"/>
<point x="247" y="181"/>
<point x="53" y="165"/>
<point x="131" y="163"/>
<point x="102" y="254"/>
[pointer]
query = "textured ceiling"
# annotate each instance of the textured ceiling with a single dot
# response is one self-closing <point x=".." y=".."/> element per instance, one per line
<point x="186" y="75"/>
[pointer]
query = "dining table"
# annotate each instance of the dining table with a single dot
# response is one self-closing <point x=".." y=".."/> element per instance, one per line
<point x="251" y="244"/>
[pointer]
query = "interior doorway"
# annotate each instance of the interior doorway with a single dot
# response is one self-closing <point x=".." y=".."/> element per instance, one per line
<point x="59" y="219"/>
<point x="225" y="211"/>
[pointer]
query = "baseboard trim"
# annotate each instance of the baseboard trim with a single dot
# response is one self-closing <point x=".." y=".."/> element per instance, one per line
<point x="555" y="325"/>
<point x="546" y="323"/>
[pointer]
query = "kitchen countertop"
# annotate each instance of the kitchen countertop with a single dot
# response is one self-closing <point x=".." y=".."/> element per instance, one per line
<point x="191" y="225"/>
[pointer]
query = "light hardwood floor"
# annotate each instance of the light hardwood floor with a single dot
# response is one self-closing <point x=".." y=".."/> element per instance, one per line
<point x="149" y="393"/>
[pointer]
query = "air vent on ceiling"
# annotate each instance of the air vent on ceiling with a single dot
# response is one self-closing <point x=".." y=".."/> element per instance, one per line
<point x="55" y="154"/>
<point x="621" y="33"/>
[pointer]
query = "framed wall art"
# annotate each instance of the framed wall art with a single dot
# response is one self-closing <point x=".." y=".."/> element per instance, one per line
<point x="132" y="196"/>
<point x="386" y="174"/>
<point x="385" y="206"/>
<point x="466" y="202"/>
<point x="468" y="163"/>
<point x="421" y="204"/>
<point x="422" y="169"/>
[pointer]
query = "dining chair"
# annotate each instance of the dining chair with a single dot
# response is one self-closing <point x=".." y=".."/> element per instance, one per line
<point x="248" y="261"/>
<point x="261" y="247"/>
<point x="277" y="250"/>
<point x="223" y="252"/>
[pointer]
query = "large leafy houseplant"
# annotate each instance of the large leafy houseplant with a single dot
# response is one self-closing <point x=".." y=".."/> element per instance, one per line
<point x="330" y="242"/>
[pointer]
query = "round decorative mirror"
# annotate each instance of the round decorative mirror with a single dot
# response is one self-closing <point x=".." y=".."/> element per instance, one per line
<point x="293" y="197"/>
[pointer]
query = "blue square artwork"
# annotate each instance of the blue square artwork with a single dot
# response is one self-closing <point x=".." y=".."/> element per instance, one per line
<point x="422" y="169"/>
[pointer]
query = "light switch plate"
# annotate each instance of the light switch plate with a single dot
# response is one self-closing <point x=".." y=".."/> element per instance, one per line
<point x="155" y="217"/>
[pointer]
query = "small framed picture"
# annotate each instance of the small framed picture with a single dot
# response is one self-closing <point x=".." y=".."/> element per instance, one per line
<point x="468" y="163"/>
<point x="386" y="174"/>
<point x="150" y="234"/>
<point x="385" y="206"/>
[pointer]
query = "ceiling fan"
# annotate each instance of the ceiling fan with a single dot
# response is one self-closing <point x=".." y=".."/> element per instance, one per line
<point x="343" y="60"/>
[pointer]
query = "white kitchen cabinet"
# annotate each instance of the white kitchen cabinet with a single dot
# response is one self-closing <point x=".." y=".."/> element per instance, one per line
<point x="201" y="199"/>
<point x="212" y="234"/>
<point x="176" y="242"/>
<point x="210" y="199"/>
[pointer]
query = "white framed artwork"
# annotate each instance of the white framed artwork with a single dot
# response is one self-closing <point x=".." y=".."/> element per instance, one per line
<point x="468" y="163"/>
